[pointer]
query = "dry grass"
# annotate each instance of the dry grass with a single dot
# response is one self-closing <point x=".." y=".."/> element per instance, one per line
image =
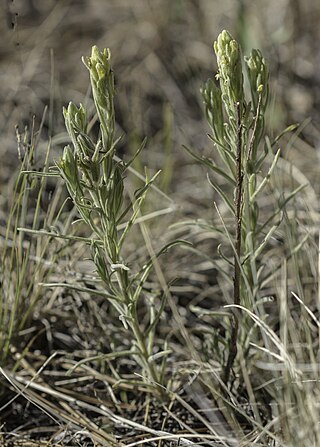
<point x="162" y="54"/>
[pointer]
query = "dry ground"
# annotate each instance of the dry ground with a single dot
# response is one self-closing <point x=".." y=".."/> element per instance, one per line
<point x="162" y="53"/>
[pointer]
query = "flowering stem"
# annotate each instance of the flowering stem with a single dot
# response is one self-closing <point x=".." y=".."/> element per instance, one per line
<point x="233" y="349"/>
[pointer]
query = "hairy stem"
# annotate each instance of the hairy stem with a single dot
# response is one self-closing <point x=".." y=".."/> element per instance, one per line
<point x="233" y="349"/>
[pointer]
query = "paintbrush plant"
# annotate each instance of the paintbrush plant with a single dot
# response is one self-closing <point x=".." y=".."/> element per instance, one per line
<point x="246" y="161"/>
<point x="95" y="181"/>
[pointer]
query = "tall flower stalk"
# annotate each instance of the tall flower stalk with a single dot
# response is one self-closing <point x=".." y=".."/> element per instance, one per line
<point x="237" y="122"/>
<point x="95" y="181"/>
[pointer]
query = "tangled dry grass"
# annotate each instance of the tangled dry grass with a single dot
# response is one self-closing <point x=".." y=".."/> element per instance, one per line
<point x="162" y="54"/>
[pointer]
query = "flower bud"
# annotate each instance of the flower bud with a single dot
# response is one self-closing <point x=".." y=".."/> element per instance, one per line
<point x="69" y="170"/>
<point x="230" y="70"/>
<point x="213" y="107"/>
<point x="258" y="75"/>
<point x="103" y="90"/>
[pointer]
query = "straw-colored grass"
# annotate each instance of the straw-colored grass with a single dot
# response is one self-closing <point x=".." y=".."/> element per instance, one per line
<point x="133" y="316"/>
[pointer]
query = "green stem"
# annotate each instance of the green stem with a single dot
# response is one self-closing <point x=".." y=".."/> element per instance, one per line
<point x="138" y="334"/>
<point x="143" y="347"/>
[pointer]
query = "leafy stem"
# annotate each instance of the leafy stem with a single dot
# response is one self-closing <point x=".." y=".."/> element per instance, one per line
<point x="237" y="255"/>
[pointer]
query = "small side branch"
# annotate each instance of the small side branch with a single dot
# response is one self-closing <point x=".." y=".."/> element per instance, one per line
<point x="233" y="349"/>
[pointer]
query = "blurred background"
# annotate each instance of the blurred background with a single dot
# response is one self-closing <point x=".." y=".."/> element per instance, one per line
<point x="162" y="53"/>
